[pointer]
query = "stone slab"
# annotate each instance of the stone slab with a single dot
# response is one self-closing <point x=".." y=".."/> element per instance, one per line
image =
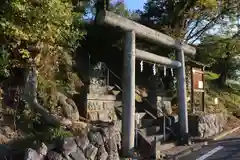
<point x="107" y="97"/>
<point x="96" y="89"/>
<point x="99" y="105"/>
<point x="104" y="115"/>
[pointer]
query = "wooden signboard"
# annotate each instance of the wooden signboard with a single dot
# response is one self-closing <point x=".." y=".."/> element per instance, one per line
<point x="197" y="80"/>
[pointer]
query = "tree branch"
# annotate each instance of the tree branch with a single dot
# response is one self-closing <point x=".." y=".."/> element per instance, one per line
<point x="209" y="24"/>
<point x="206" y="27"/>
<point x="195" y="26"/>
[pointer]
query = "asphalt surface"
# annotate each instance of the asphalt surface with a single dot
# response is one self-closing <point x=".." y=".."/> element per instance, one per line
<point x="226" y="149"/>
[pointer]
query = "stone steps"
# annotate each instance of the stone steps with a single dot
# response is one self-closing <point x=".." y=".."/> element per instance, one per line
<point x="159" y="121"/>
<point x="119" y="111"/>
<point x="150" y="131"/>
<point x="151" y="122"/>
<point x="150" y="135"/>
<point x="148" y="144"/>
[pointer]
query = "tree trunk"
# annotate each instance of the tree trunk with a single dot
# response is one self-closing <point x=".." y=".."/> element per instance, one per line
<point x="224" y="70"/>
<point x="30" y="96"/>
<point x="222" y="79"/>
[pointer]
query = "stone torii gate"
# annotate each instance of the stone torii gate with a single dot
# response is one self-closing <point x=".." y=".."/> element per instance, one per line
<point x="134" y="29"/>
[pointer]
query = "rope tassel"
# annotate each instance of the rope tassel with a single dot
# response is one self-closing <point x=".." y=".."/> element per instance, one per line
<point x="154" y="69"/>
<point x="164" y="71"/>
<point x="141" y="66"/>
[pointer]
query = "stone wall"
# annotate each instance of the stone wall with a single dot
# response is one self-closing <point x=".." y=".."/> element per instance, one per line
<point x="206" y="125"/>
<point x="100" y="143"/>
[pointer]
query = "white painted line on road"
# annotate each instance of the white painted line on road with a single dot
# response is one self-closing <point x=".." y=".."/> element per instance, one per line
<point x="210" y="153"/>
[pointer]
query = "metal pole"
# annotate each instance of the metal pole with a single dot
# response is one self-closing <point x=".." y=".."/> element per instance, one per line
<point x="192" y="91"/>
<point x="108" y="77"/>
<point x="155" y="148"/>
<point x="136" y="129"/>
<point x="203" y="93"/>
<point x="129" y="94"/>
<point x="164" y="128"/>
<point x="181" y="93"/>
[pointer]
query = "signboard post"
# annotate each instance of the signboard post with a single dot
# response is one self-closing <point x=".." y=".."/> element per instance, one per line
<point x="197" y="80"/>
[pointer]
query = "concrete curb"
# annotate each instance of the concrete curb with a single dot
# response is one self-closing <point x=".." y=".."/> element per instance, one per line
<point x="198" y="146"/>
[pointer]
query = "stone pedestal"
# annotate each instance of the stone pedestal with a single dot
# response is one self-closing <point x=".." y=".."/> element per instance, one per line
<point x="100" y="107"/>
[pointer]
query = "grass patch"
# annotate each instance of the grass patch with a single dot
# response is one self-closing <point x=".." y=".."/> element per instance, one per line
<point x="229" y="98"/>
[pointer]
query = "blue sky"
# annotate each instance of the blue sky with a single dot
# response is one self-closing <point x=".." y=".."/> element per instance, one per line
<point x="135" y="4"/>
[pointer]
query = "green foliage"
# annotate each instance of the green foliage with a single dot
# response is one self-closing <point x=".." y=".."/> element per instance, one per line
<point x="116" y="6"/>
<point x="229" y="98"/>
<point x="33" y="125"/>
<point x="234" y="85"/>
<point x="120" y="8"/>
<point x="43" y="28"/>
<point x="208" y="76"/>
<point x="212" y="51"/>
<point x="26" y="22"/>
<point x="56" y="133"/>
<point x="47" y="93"/>
<point x="4" y="59"/>
<point x="24" y="53"/>
<point x="174" y="17"/>
<point x="214" y="47"/>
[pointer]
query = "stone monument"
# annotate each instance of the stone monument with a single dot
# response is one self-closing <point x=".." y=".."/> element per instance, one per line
<point x="99" y="103"/>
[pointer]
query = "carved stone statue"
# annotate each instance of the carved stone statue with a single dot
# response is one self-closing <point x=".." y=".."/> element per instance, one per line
<point x="97" y="79"/>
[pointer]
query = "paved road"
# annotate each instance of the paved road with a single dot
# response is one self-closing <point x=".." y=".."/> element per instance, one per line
<point x="227" y="149"/>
